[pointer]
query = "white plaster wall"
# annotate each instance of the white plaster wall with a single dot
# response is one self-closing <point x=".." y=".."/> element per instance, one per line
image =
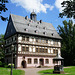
<point x="19" y="61"/>
<point x="30" y="39"/>
<point x="30" y="49"/>
<point x="19" y="39"/>
<point x="33" y="49"/>
<point x="59" y="52"/>
<point x="51" y="42"/>
<point x="19" y="47"/>
<point x="51" y="50"/>
<point x="36" y="65"/>
<point x="59" y="43"/>
<point x="48" y="50"/>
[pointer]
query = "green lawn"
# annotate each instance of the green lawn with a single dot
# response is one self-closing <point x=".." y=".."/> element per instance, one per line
<point x="6" y="71"/>
<point x="68" y="71"/>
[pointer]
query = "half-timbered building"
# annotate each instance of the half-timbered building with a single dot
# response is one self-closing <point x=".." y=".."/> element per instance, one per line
<point x="35" y="42"/>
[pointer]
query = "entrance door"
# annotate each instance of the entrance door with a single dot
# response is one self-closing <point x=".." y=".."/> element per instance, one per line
<point x="24" y="64"/>
<point x="42" y="62"/>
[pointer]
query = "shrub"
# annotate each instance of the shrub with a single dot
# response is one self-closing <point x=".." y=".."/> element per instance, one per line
<point x="9" y="65"/>
<point x="1" y="64"/>
<point x="6" y="66"/>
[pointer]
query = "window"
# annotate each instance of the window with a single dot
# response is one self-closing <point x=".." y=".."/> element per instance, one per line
<point x="15" y="48"/>
<point x="40" y="40"/>
<point x="27" y="49"/>
<point x="29" y="60"/>
<point x="47" y="61"/>
<point x="43" y="41"/>
<point x="23" y="48"/>
<point x="36" y="39"/>
<point x="32" y="38"/>
<point x="36" y="31"/>
<point x="35" y="61"/>
<point x="27" y="38"/>
<point x="55" y="42"/>
<point x="46" y="51"/>
<point x="7" y="41"/>
<point x="54" y="51"/>
<point x="44" y="33"/>
<point x="23" y="38"/>
<point x="26" y="29"/>
<point x="44" y="27"/>
<point x="37" y="49"/>
<point x="40" y="50"/>
<point x="6" y="50"/>
<point x="46" y="41"/>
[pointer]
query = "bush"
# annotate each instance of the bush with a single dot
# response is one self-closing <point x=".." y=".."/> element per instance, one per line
<point x="9" y="65"/>
<point x="6" y="66"/>
<point x="1" y="64"/>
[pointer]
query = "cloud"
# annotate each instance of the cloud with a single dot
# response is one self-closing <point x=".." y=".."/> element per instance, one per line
<point x="58" y="4"/>
<point x="37" y="5"/>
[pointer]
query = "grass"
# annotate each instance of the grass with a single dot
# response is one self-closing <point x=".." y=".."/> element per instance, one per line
<point x="68" y="71"/>
<point x="6" y="71"/>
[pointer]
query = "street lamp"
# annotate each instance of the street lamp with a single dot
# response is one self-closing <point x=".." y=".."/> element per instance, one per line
<point x="12" y="49"/>
<point x="15" y="61"/>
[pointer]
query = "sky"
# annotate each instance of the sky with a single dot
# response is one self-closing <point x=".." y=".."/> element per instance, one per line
<point x="46" y="10"/>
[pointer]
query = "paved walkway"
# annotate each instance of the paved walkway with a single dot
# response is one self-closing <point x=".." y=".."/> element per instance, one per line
<point x="33" y="71"/>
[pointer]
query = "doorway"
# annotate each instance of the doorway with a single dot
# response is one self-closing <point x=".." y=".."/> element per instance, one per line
<point x="41" y="62"/>
<point x="24" y="64"/>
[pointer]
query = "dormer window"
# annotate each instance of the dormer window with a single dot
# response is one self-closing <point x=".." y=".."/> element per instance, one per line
<point x="29" y="24"/>
<point x="36" y="31"/>
<point x="36" y="26"/>
<point x="44" y="33"/>
<point x="52" y="34"/>
<point x="44" y="28"/>
<point x="31" y="21"/>
<point x="38" y="22"/>
<point x="26" y="17"/>
<point x="26" y="29"/>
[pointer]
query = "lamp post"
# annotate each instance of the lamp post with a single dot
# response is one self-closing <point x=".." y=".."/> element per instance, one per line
<point x="15" y="61"/>
<point x="12" y="48"/>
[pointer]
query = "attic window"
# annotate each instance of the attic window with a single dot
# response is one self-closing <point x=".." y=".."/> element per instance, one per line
<point x="26" y="29"/>
<point x="31" y="21"/>
<point x="52" y="34"/>
<point x="29" y="24"/>
<point x="44" y="33"/>
<point x="36" y="26"/>
<point x="44" y="27"/>
<point x="26" y="17"/>
<point x="38" y="22"/>
<point x="36" y="31"/>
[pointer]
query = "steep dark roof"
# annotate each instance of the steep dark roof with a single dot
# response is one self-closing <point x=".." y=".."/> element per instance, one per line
<point x="36" y="28"/>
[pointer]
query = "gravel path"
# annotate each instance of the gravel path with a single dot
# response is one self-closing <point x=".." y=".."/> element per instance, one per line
<point x="33" y="71"/>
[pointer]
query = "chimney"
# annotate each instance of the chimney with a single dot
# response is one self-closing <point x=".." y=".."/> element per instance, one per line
<point x="26" y="17"/>
<point x="40" y="21"/>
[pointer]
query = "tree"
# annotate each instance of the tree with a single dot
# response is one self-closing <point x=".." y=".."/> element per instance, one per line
<point x="2" y="42"/>
<point x="3" y="8"/>
<point x="69" y="9"/>
<point x="68" y="42"/>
